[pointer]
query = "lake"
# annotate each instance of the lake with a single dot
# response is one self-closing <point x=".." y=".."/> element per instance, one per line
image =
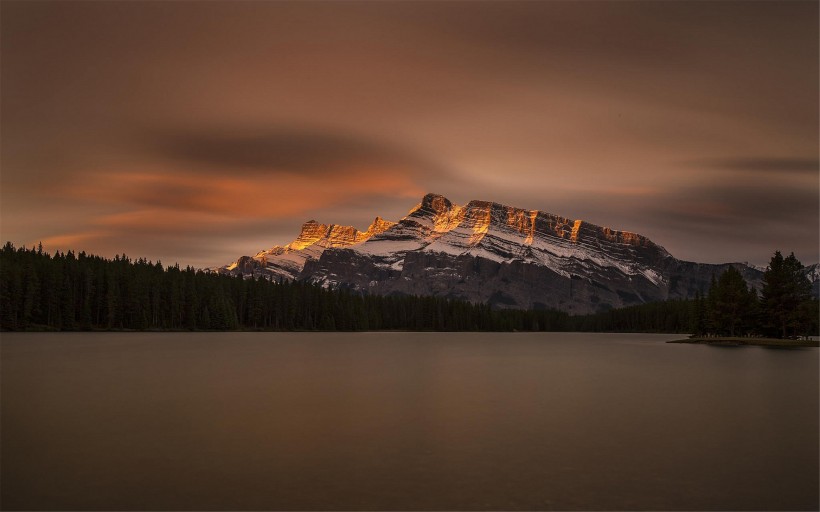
<point x="419" y="421"/>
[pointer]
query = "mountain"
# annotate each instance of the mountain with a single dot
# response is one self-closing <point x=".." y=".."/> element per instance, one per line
<point x="287" y="261"/>
<point x="488" y="252"/>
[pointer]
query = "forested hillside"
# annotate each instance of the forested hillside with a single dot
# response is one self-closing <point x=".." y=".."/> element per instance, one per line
<point x="68" y="291"/>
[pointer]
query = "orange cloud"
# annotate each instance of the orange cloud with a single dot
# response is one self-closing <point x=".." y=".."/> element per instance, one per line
<point x="237" y="195"/>
<point x="72" y="240"/>
<point x="156" y="204"/>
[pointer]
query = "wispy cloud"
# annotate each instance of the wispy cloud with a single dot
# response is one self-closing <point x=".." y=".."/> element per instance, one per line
<point x="209" y="128"/>
<point x="284" y="150"/>
<point x="759" y="164"/>
<point x="234" y="195"/>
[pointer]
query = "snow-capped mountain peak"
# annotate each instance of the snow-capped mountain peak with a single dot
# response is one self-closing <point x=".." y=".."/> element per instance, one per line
<point x="489" y="252"/>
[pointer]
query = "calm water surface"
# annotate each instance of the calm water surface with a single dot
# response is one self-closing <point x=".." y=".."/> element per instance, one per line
<point x="263" y="421"/>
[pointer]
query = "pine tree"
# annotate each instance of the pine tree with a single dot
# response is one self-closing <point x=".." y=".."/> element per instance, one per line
<point x="730" y="300"/>
<point x="785" y="288"/>
<point x="712" y="322"/>
<point x="698" y="315"/>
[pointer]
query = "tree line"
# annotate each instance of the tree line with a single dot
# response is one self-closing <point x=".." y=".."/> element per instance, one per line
<point x="672" y="316"/>
<point x="783" y="309"/>
<point x="68" y="291"/>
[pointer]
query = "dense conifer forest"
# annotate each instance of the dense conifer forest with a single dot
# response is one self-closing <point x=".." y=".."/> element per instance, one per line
<point x="68" y="291"/>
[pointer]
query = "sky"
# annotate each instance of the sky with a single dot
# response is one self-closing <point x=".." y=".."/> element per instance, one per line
<point x="196" y="132"/>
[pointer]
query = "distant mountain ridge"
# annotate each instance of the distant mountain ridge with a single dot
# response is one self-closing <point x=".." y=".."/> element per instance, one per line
<point x="488" y="252"/>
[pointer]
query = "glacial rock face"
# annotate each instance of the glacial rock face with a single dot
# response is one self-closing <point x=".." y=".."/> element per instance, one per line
<point x="488" y="252"/>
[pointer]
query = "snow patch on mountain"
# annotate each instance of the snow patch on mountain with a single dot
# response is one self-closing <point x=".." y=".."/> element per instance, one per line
<point x="486" y="251"/>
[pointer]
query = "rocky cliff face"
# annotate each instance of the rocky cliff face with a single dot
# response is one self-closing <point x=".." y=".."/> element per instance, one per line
<point x="287" y="262"/>
<point x="488" y="252"/>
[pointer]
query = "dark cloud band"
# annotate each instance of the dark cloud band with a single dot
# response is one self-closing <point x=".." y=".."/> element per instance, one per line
<point x="799" y="165"/>
<point x="276" y="150"/>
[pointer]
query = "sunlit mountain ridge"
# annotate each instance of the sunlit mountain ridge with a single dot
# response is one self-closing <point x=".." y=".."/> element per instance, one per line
<point x="489" y="252"/>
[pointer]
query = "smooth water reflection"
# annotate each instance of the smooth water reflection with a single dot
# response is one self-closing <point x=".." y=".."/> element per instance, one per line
<point x="341" y="421"/>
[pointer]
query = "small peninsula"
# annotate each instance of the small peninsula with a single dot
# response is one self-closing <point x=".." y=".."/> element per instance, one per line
<point x="737" y="341"/>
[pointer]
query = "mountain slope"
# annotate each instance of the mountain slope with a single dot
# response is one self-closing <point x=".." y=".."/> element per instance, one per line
<point x="286" y="262"/>
<point x="488" y="252"/>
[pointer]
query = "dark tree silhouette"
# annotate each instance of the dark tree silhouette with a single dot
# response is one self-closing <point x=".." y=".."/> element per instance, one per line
<point x="65" y="291"/>
<point x="786" y="297"/>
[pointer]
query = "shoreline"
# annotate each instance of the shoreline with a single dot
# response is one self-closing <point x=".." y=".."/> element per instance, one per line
<point x="738" y="341"/>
